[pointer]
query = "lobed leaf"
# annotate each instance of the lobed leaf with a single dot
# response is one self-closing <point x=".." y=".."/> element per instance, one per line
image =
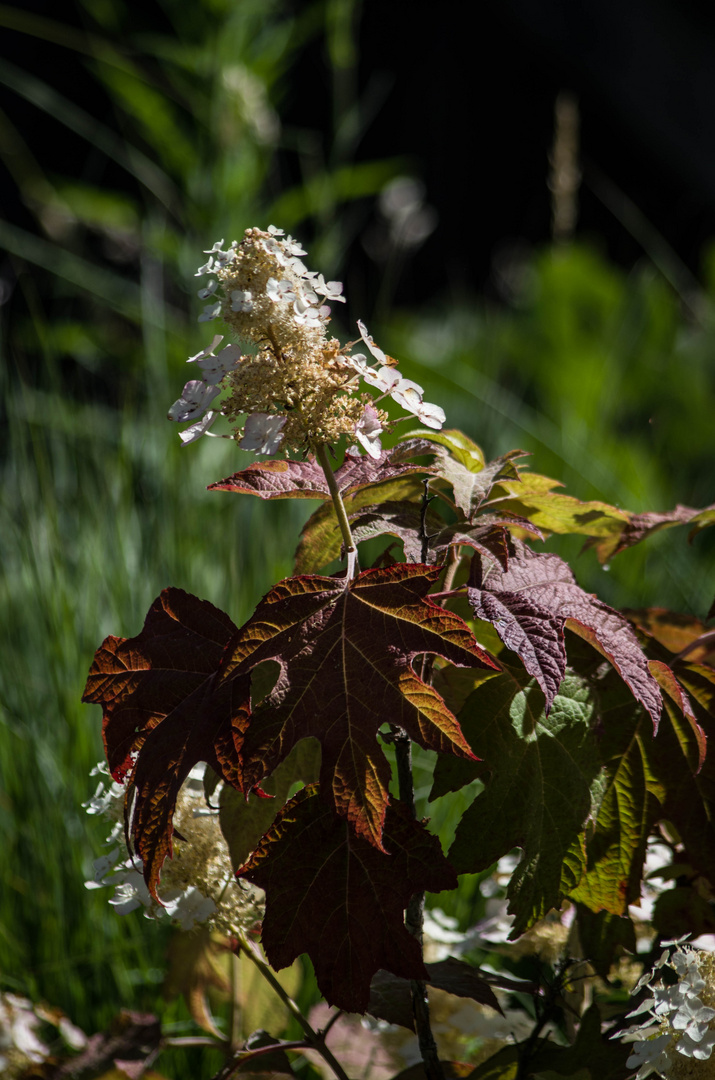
<point x="345" y="652"/>
<point x="286" y="479"/>
<point x="530" y="602"/>
<point x="538" y="794"/>
<point x="163" y="712"/>
<point x="334" y="896"/>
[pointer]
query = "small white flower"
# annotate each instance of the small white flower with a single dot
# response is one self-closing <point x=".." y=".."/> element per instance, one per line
<point x="213" y="368"/>
<point x="262" y="433"/>
<point x="195" y="399"/>
<point x="195" y="431"/>
<point x="408" y="394"/>
<point x="207" y="268"/>
<point x="217" y="247"/>
<point x="374" y="349"/>
<point x="304" y="313"/>
<point x="432" y="416"/>
<point x="242" y="300"/>
<point x="190" y="908"/>
<point x="203" y="294"/>
<point x="293" y="247"/>
<point x="210" y="312"/>
<point x="279" y="290"/>
<point x="275" y="232"/>
<point x="331" y="290"/>
<point x="368" y="430"/>
<point x="131" y="894"/>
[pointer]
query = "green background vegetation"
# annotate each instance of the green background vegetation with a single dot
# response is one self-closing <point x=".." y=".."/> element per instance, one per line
<point x="606" y="377"/>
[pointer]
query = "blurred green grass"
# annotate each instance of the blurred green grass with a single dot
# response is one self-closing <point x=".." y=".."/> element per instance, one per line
<point x="599" y="374"/>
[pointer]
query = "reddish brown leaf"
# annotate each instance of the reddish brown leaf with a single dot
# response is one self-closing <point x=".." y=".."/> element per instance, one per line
<point x="159" y="702"/>
<point x="530" y="629"/>
<point x="528" y="606"/>
<point x="337" y="898"/>
<point x="638" y="527"/>
<point x="345" y="654"/>
<point x="278" y="479"/>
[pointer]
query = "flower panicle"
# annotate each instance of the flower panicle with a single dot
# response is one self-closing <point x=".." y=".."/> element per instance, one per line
<point x="198" y="885"/>
<point x="675" y="1033"/>
<point x="295" y="388"/>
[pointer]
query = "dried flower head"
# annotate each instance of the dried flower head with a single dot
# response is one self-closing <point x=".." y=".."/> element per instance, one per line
<point x="297" y="387"/>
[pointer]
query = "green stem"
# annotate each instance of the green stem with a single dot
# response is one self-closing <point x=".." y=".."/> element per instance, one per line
<point x="315" y="1039"/>
<point x="351" y="551"/>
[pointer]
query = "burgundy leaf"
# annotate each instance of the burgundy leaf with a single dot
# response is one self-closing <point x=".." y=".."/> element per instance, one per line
<point x="536" y="595"/>
<point x="162" y="713"/>
<point x="337" y="898"/>
<point x="345" y="653"/>
<point x="278" y="479"/>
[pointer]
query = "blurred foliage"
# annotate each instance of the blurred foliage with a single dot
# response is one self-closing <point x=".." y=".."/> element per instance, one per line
<point x="172" y="135"/>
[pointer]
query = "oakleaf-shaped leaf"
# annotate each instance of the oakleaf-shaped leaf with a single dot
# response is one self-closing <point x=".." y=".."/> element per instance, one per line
<point x="638" y="527"/>
<point x="337" y="898"/>
<point x="278" y="479"/>
<point x="159" y="702"/>
<point x="538" y="795"/>
<point x="557" y="513"/>
<point x="528" y="605"/>
<point x="646" y="778"/>
<point x="533" y="631"/>
<point x="345" y="652"/>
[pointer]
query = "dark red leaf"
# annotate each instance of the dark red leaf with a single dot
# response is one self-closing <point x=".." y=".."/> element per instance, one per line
<point x="159" y="701"/>
<point x="345" y="654"/>
<point x="337" y="898"/>
<point x="528" y="606"/>
<point x="278" y="479"/>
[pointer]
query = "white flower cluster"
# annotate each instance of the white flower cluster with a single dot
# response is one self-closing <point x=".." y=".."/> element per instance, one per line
<point x="198" y="883"/>
<point x="300" y="389"/>
<point x="677" y="1034"/>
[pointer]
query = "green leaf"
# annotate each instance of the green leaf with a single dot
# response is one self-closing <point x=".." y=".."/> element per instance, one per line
<point x="538" y="795"/>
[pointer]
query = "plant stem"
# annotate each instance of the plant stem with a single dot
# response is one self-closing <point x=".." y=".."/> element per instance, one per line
<point x="314" y="1038"/>
<point x="350" y="550"/>
<point x="414" y="916"/>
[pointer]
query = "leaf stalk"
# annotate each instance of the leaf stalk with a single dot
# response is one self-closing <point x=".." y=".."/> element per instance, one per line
<point x="340" y="512"/>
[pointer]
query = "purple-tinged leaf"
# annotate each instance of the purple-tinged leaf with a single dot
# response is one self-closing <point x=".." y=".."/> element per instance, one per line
<point x="546" y="583"/>
<point x="345" y="652"/>
<point x="638" y="527"/>
<point x="529" y="628"/>
<point x="337" y="898"/>
<point x="162" y="714"/>
<point x="279" y="479"/>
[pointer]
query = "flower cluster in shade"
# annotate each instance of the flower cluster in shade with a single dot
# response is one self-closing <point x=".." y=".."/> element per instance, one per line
<point x="296" y="388"/>
<point x="676" y="1032"/>
<point x="198" y="885"/>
